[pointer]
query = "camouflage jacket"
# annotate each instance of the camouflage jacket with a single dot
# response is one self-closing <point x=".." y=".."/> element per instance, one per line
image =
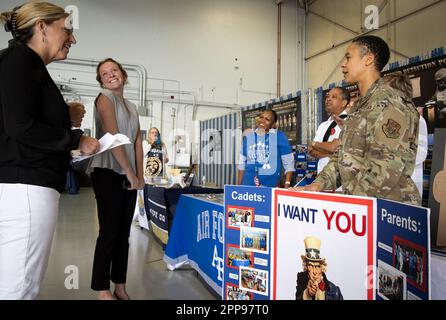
<point x="378" y="146"/>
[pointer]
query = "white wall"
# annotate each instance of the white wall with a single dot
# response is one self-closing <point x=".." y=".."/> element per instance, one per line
<point x="194" y="43"/>
<point x="414" y="35"/>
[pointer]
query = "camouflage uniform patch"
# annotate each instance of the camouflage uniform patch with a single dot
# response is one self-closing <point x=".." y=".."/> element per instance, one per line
<point x="391" y="129"/>
<point x="390" y="132"/>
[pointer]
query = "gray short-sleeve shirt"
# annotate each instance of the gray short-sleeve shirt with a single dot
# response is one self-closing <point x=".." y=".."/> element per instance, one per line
<point x="128" y="124"/>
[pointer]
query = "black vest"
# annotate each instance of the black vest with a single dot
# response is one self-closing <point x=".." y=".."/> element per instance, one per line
<point x="333" y="124"/>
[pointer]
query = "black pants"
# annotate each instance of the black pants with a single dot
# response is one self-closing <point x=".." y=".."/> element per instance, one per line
<point x="115" y="212"/>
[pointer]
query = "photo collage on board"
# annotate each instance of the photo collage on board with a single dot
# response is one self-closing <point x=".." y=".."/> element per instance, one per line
<point x="247" y="243"/>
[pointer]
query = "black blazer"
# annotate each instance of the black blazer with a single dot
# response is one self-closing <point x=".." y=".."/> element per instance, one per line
<point x="35" y="127"/>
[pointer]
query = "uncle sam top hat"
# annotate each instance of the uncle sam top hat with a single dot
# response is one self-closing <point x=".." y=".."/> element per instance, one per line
<point x="312" y="250"/>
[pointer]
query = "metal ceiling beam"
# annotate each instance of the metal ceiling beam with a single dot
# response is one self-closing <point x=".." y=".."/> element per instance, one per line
<point x="332" y="72"/>
<point x="370" y="31"/>
<point x="351" y="30"/>
<point x="382" y="5"/>
<point x="333" y="22"/>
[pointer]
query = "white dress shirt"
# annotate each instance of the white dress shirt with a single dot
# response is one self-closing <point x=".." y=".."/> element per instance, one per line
<point x="417" y="175"/>
<point x="320" y="136"/>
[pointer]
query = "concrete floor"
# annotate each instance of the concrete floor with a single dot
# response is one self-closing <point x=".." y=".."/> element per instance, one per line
<point x="72" y="254"/>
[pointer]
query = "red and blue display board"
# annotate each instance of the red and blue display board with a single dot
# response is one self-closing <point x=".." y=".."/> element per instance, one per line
<point x="246" y="251"/>
<point x="365" y="248"/>
<point x="403" y="251"/>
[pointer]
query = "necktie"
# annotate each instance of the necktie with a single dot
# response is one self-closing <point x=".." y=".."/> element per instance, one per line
<point x="333" y="124"/>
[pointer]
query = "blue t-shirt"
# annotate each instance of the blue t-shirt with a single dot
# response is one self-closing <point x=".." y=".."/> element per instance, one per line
<point x="263" y="155"/>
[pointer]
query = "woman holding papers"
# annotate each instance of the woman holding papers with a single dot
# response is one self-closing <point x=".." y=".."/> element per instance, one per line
<point x="115" y="175"/>
<point x="35" y="143"/>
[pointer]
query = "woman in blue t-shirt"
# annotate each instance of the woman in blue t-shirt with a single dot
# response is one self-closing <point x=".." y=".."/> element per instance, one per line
<point x="264" y="152"/>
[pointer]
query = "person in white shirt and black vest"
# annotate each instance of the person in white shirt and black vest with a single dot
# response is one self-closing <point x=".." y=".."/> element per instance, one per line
<point x="326" y="140"/>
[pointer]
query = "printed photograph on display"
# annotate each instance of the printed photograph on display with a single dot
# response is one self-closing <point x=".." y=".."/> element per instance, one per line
<point x="301" y="165"/>
<point x="428" y="79"/>
<point x="391" y="282"/>
<point x="238" y="258"/>
<point x="214" y="145"/>
<point x="180" y="143"/>
<point x="237" y="217"/>
<point x="235" y="293"/>
<point x="301" y="149"/>
<point x="311" y="158"/>
<point x="254" y="239"/>
<point x="410" y="259"/>
<point x="254" y="280"/>
<point x="249" y="117"/>
<point x="289" y="119"/>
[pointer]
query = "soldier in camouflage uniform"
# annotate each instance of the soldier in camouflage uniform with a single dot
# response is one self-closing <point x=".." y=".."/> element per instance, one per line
<point x="378" y="142"/>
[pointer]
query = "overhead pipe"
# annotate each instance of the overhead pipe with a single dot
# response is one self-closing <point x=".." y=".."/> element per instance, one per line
<point x="189" y="93"/>
<point x="142" y="92"/>
<point x="279" y="44"/>
<point x="179" y="92"/>
<point x="304" y="74"/>
<point x="279" y="25"/>
<point x="253" y="91"/>
<point x="310" y="115"/>
<point x="310" y="118"/>
<point x="194" y="102"/>
<point x="163" y="98"/>
<point x="315" y="113"/>
<point x="169" y="90"/>
<point x="140" y="69"/>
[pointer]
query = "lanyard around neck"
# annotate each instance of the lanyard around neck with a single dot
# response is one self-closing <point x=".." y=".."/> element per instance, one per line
<point x="258" y="164"/>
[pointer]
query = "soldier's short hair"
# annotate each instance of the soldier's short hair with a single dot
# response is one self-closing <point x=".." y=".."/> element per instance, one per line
<point x="377" y="46"/>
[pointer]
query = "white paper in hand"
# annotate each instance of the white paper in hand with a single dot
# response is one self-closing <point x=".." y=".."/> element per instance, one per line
<point x="107" y="142"/>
